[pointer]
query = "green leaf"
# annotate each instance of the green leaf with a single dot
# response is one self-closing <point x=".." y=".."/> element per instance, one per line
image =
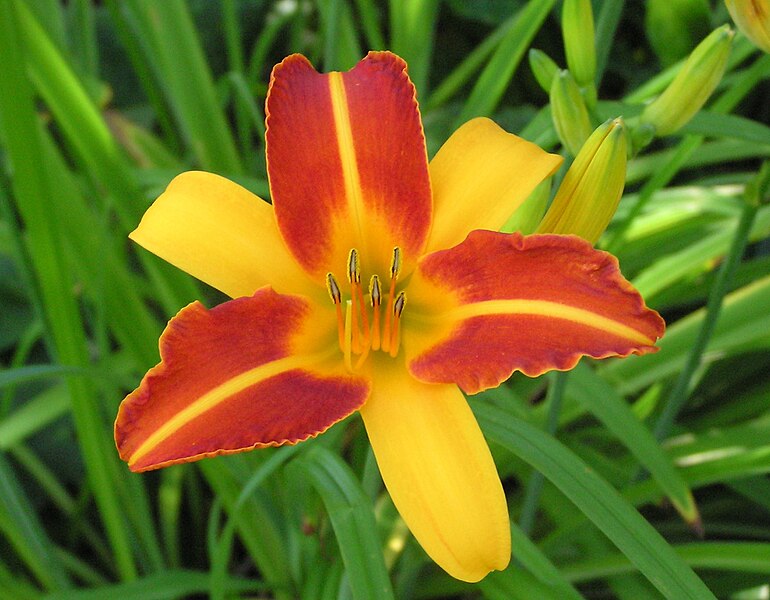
<point x="497" y="74"/>
<point x="729" y="126"/>
<point x="601" y="399"/>
<point x="259" y="529"/>
<point x="341" y="49"/>
<point x="741" y="557"/>
<point x="22" y="138"/>
<point x="743" y="325"/>
<point x="34" y="415"/>
<point x="186" y="80"/>
<point x="20" y="524"/>
<point x="528" y="554"/>
<point x="600" y="502"/>
<point x="162" y="586"/>
<point x="412" y="32"/>
<point x="350" y="511"/>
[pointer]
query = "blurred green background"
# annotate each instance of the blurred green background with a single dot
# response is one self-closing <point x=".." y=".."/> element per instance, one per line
<point x="639" y="478"/>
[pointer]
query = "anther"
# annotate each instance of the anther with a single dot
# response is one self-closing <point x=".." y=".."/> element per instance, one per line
<point x="333" y="288"/>
<point x="395" y="263"/>
<point x="398" y="305"/>
<point x="336" y="296"/>
<point x="395" y="333"/>
<point x="354" y="270"/>
<point x="375" y="296"/>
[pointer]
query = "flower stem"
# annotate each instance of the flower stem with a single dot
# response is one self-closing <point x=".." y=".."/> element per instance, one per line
<point x="753" y="196"/>
<point x="535" y="484"/>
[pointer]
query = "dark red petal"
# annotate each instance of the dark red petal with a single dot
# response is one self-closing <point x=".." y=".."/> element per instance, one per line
<point x="239" y="376"/>
<point x="506" y="302"/>
<point x="347" y="163"/>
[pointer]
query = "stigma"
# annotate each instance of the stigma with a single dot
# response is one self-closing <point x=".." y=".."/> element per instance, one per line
<point x="367" y="324"/>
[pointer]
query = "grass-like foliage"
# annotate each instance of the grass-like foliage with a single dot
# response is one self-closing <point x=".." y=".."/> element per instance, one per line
<point x="636" y="478"/>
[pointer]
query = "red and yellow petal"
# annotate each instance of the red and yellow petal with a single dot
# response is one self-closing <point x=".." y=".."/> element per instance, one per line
<point x="222" y="234"/>
<point x="246" y="374"/>
<point x="480" y="176"/>
<point x="347" y="163"/>
<point x="438" y="470"/>
<point x="504" y="302"/>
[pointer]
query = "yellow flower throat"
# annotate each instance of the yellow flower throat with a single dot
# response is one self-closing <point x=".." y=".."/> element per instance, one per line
<point x="357" y="332"/>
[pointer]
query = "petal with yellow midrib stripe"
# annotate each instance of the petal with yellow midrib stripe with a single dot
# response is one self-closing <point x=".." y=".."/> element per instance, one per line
<point x="239" y="376"/>
<point x="505" y="302"/>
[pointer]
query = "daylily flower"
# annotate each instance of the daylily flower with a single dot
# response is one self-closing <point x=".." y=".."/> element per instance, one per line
<point x="361" y="289"/>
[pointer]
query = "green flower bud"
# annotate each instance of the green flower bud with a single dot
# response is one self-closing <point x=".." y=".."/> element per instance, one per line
<point x="692" y="86"/>
<point x="753" y="18"/>
<point x="577" y="25"/>
<point x="569" y="112"/>
<point x="543" y="68"/>
<point x="589" y="194"/>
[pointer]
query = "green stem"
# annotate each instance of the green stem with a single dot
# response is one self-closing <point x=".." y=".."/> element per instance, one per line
<point x="679" y="394"/>
<point x="535" y="484"/>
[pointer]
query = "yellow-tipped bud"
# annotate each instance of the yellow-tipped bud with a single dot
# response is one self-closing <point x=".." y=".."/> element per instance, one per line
<point x="591" y="189"/>
<point x="577" y="25"/>
<point x="543" y="68"/>
<point x="569" y="112"/>
<point x="753" y="18"/>
<point x="692" y="86"/>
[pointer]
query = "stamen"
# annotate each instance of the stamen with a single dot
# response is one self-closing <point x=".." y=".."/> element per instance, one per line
<point x="398" y="306"/>
<point x="336" y="296"/>
<point x="395" y="269"/>
<point x="354" y="270"/>
<point x="362" y="358"/>
<point x="354" y="277"/>
<point x="347" y="347"/>
<point x="376" y="298"/>
<point x="333" y="288"/>
<point x="395" y="263"/>
<point x="357" y="332"/>
<point x="395" y="334"/>
<point x="364" y="313"/>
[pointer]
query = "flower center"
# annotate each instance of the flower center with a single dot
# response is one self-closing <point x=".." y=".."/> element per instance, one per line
<point x="360" y="326"/>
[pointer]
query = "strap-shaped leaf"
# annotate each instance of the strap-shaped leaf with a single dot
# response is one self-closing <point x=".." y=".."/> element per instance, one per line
<point x="353" y="521"/>
<point x="599" y="501"/>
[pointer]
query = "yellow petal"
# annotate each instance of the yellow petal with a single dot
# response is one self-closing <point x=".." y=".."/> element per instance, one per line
<point x="480" y="176"/>
<point x="220" y="233"/>
<point x="438" y="469"/>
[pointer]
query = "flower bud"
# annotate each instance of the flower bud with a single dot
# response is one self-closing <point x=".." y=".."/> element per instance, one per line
<point x="543" y="68"/>
<point x="577" y="25"/>
<point x="569" y="112"/>
<point x="692" y="86"/>
<point x="753" y="18"/>
<point x="591" y="189"/>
